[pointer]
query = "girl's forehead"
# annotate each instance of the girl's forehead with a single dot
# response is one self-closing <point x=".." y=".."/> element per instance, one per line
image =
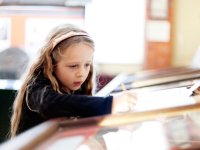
<point x="80" y="51"/>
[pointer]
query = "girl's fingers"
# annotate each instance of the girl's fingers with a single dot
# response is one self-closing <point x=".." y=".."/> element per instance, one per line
<point x="132" y="97"/>
<point x="132" y="101"/>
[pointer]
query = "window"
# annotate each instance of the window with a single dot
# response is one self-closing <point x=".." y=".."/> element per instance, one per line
<point x="117" y="27"/>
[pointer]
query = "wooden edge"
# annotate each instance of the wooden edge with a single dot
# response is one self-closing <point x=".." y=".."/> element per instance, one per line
<point x="35" y="136"/>
<point x="29" y="139"/>
<point x="122" y="119"/>
<point x="131" y="117"/>
<point x="163" y="80"/>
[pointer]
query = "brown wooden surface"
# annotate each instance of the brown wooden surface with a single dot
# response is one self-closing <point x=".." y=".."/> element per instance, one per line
<point x="43" y="136"/>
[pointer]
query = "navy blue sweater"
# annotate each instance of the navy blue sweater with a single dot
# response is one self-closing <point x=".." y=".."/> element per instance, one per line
<point x="45" y="103"/>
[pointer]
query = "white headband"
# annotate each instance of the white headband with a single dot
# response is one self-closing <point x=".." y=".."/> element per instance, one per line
<point x="68" y="35"/>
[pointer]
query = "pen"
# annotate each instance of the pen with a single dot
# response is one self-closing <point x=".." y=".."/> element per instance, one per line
<point x="123" y="87"/>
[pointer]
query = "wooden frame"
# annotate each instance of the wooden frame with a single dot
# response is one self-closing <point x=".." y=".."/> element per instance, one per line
<point x="47" y="134"/>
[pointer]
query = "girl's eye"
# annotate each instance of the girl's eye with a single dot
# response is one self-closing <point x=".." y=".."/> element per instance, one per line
<point x="87" y="65"/>
<point x="73" y="66"/>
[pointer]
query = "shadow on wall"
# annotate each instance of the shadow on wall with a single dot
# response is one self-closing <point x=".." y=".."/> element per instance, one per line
<point x="13" y="63"/>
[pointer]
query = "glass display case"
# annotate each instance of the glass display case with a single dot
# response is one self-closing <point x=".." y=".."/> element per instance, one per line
<point x="175" y="128"/>
<point x="163" y="119"/>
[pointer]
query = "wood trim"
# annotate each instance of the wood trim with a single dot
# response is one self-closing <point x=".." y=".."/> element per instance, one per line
<point x="159" y="54"/>
<point x="37" y="136"/>
<point x="31" y="138"/>
<point x="121" y="119"/>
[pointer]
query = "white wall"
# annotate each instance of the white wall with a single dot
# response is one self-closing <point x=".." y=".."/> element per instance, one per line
<point x="186" y="30"/>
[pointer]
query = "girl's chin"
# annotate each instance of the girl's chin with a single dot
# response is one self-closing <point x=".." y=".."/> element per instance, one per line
<point x="75" y="88"/>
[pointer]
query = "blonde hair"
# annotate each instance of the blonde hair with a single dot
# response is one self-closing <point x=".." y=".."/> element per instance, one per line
<point x="56" y="42"/>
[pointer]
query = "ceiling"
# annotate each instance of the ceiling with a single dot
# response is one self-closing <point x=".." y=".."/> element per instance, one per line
<point x="45" y="2"/>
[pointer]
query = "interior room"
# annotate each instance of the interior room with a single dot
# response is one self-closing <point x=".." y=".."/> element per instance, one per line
<point x="147" y="47"/>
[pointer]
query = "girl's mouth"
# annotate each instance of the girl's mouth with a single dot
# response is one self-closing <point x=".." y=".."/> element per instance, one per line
<point x="77" y="83"/>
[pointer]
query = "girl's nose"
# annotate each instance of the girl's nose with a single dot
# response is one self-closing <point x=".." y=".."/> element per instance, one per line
<point x="80" y="73"/>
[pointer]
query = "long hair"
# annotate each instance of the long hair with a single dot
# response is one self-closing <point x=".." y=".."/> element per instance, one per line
<point x="49" y="55"/>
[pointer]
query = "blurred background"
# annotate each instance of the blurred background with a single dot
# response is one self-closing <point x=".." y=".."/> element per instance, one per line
<point x="130" y="36"/>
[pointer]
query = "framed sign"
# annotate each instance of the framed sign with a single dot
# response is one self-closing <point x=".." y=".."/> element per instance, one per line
<point x="159" y="9"/>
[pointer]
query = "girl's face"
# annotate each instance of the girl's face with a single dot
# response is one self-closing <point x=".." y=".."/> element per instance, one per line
<point x="74" y="65"/>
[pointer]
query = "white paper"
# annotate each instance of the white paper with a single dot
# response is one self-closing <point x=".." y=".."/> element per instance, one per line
<point x="163" y="99"/>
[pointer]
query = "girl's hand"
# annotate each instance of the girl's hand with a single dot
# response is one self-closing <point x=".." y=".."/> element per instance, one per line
<point x="124" y="102"/>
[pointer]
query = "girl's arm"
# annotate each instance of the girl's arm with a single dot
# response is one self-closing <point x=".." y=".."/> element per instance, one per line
<point x="51" y="104"/>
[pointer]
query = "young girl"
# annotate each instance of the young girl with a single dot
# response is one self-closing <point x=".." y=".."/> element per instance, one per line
<point x="60" y="83"/>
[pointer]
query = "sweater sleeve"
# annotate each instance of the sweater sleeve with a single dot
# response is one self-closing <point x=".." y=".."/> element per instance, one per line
<point x="49" y="103"/>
